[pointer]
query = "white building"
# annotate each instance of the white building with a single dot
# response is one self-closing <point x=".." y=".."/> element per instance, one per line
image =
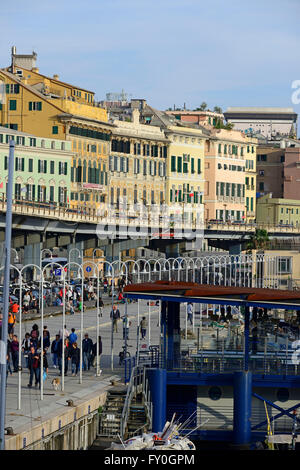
<point x="267" y="121"/>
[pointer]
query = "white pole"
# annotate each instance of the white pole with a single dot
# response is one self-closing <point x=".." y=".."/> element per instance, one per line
<point x="20" y="343"/>
<point x="63" y="333"/>
<point x="42" y="338"/>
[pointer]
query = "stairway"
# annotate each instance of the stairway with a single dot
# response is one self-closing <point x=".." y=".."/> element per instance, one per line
<point x="137" y="422"/>
<point x="110" y="420"/>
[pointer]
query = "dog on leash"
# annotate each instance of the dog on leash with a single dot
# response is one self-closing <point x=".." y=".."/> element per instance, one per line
<point x="55" y="383"/>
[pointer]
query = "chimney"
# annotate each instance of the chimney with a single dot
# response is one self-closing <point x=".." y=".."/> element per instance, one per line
<point x="56" y="77"/>
<point x="35" y="69"/>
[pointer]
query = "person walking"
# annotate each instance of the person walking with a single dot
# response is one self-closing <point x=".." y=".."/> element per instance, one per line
<point x="34" y="334"/>
<point x="26" y="343"/>
<point x="87" y="346"/>
<point x="143" y="327"/>
<point x="11" y="321"/>
<point x="101" y="306"/>
<point x="75" y="358"/>
<point x="190" y="312"/>
<point x="33" y="366"/>
<point x="115" y="315"/>
<point x="73" y="336"/>
<point x="15" y="352"/>
<point x="54" y="351"/>
<point x="126" y="325"/>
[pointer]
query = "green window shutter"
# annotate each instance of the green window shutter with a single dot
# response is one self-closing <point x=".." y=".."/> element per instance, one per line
<point x="185" y="168"/>
<point x="39" y="166"/>
<point x="66" y="168"/>
<point x="251" y="204"/>
<point x="54" y="129"/>
<point x="171" y="200"/>
<point x="179" y="164"/>
<point x="23" y="164"/>
<point x="199" y="166"/>
<point x="52" y="170"/>
<point x="192" y="165"/>
<point x="45" y="166"/>
<point x="39" y="192"/>
<point x="220" y="148"/>
<point x="30" y="165"/>
<point x="39" y="107"/>
<point x="51" y="194"/>
<point x="30" y="105"/>
<point x="5" y="163"/>
<point x="12" y="105"/>
<point x="7" y="88"/>
<point x="173" y="163"/>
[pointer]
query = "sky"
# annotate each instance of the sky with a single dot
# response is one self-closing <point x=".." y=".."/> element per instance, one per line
<point x="170" y="52"/>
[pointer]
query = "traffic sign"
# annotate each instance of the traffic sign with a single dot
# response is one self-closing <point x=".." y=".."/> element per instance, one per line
<point x="88" y="269"/>
<point x="57" y="272"/>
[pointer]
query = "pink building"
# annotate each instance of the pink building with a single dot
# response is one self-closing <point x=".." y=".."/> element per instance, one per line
<point x="291" y="183"/>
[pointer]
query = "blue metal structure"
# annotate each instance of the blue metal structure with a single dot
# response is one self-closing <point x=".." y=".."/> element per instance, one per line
<point x="175" y="383"/>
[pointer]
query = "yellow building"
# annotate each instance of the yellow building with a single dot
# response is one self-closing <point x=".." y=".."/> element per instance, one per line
<point x="249" y="153"/>
<point x="278" y="211"/>
<point x="137" y="167"/>
<point x="185" y="170"/>
<point x="47" y="107"/>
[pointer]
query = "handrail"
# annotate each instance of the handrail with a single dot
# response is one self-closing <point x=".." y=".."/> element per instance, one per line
<point x="137" y="374"/>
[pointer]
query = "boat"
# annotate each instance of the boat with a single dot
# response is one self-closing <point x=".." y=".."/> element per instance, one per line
<point x="171" y="437"/>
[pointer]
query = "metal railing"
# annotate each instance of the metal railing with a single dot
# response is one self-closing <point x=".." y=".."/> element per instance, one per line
<point x="138" y="384"/>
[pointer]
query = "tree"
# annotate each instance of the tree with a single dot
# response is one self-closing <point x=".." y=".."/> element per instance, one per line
<point x="259" y="240"/>
<point x="218" y="110"/>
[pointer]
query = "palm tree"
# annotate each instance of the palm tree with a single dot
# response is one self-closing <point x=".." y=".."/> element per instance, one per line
<point x="218" y="110"/>
<point x="259" y="240"/>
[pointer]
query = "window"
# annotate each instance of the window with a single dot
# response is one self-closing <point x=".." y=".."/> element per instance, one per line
<point x="261" y="172"/>
<point x="35" y="106"/>
<point x="30" y="165"/>
<point x="12" y="88"/>
<point x="12" y="105"/>
<point x="54" y="129"/>
<point x="285" y="265"/>
<point x="19" y="164"/>
<point x="261" y="186"/>
<point x="32" y="142"/>
<point x="52" y="167"/>
<point x="199" y="166"/>
<point x="42" y="166"/>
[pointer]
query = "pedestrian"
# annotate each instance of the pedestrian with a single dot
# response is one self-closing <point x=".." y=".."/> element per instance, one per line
<point x="190" y="312"/>
<point x="66" y="355"/>
<point x="26" y="301"/>
<point x="126" y="325"/>
<point x="115" y="315"/>
<point x="26" y="344"/>
<point x="94" y="357"/>
<point x="143" y="327"/>
<point x="105" y="285"/>
<point x="64" y="333"/>
<point x="101" y="306"/>
<point x="54" y="351"/>
<point x="46" y="341"/>
<point x="15" y="352"/>
<point x="87" y="346"/>
<point x="73" y="336"/>
<point x="34" y="334"/>
<point x="11" y="321"/>
<point x="75" y="358"/>
<point x="33" y="366"/>
<point x="45" y="365"/>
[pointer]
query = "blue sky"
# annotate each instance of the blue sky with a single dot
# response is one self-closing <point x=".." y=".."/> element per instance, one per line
<point x="223" y="52"/>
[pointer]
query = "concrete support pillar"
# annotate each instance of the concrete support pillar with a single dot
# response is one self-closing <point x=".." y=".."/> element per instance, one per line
<point x="158" y="387"/>
<point x="242" y="392"/>
<point x="32" y="253"/>
<point x="235" y="249"/>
